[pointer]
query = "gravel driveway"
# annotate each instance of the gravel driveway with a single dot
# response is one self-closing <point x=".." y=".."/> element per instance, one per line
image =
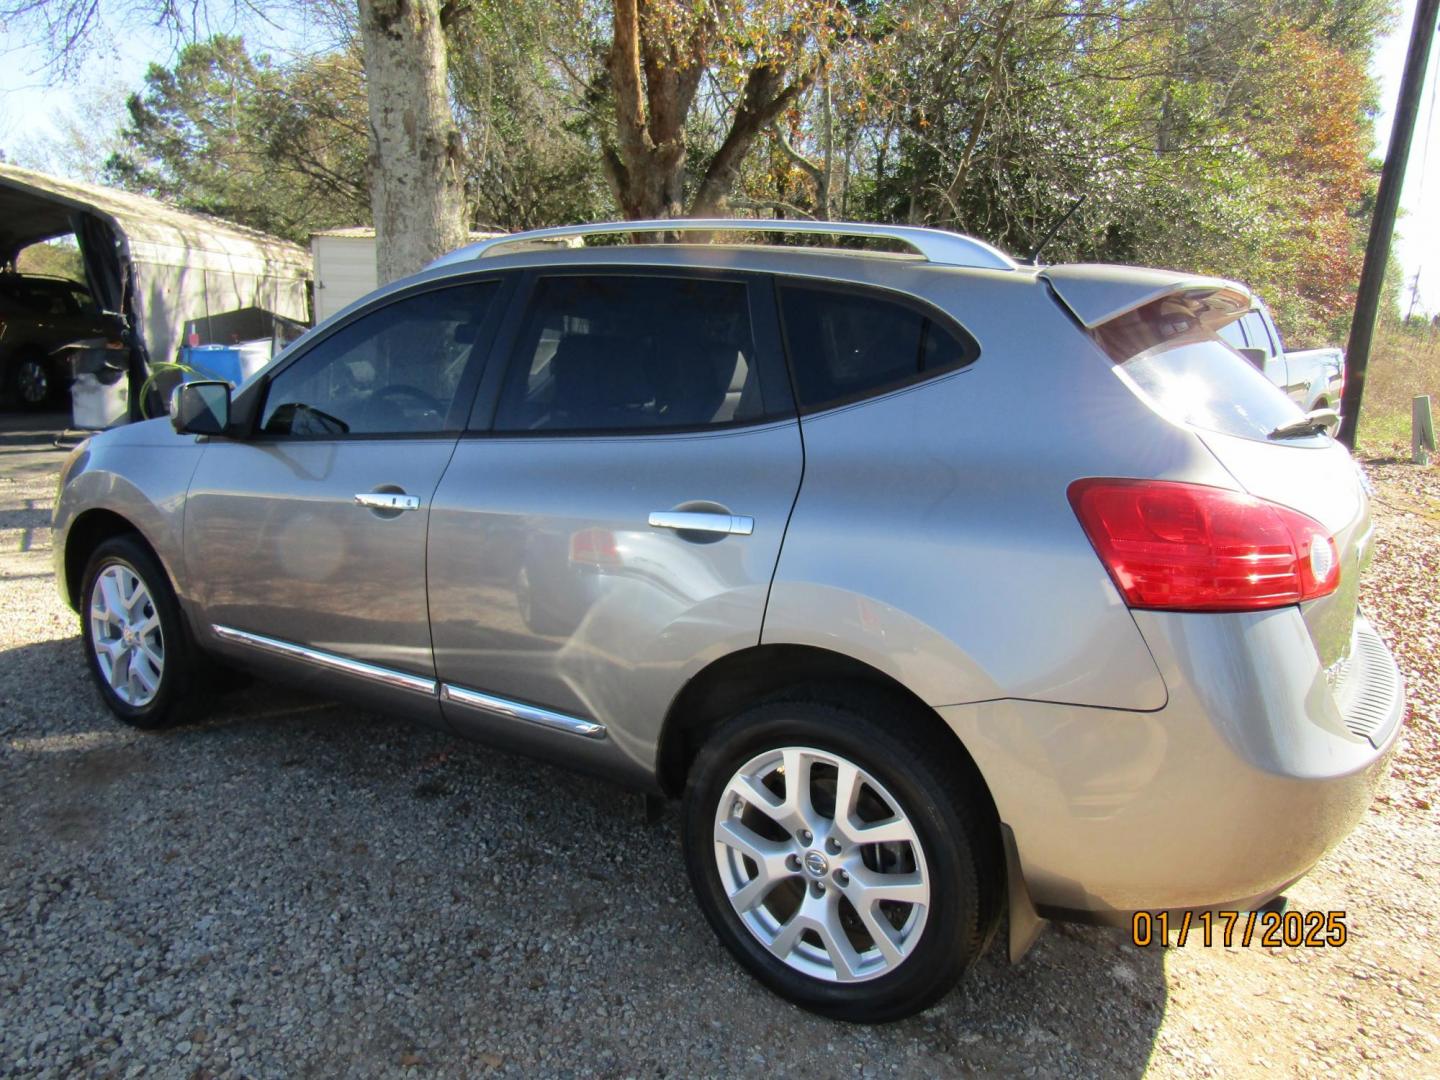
<point x="298" y="888"/>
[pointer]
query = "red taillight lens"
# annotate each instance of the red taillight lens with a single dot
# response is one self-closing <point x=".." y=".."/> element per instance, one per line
<point x="594" y="547"/>
<point x="1186" y="547"/>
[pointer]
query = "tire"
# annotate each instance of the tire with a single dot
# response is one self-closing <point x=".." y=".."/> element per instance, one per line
<point x="906" y="780"/>
<point x="127" y="632"/>
<point x="34" y="381"/>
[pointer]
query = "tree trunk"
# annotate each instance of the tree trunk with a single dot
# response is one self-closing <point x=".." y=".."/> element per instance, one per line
<point x="416" y="186"/>
<point x="646" y="167"/>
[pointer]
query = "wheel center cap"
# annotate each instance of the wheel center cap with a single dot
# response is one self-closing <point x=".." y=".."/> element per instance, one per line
<point x="816" y="865"/>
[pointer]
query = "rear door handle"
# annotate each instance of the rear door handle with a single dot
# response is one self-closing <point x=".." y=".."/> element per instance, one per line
<point x="701" y="521"/>
<point x="388" y="500"/>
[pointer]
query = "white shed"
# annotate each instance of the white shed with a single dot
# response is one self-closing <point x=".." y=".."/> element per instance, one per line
<point x="345" y="267"/>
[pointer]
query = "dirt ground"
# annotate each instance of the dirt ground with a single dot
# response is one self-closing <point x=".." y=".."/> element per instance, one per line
<point x="295" y="888"/>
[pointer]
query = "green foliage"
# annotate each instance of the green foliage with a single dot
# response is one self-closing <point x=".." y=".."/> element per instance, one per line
<point x="278" y="148"/>
<point x="51" y="260"/>
<point x="1202" y="134"/>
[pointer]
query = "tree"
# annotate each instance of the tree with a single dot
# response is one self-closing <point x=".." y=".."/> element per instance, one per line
<point x="279" y="148"/>
<point x="763" y="57"/>
<point x="416" y="173"/>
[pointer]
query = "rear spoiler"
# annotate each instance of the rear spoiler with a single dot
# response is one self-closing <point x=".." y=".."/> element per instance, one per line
<point x="1097" y="293"/>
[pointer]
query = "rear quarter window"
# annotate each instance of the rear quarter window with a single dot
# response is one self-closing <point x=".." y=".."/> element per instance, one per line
<point x="848" y="343"/>
<point x="1191" y="373"/>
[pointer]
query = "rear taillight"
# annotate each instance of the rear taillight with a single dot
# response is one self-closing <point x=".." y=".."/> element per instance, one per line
<point x="1186" y="547"/>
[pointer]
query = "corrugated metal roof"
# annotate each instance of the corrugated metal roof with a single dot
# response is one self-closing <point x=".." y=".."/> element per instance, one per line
<point x="35" y="206"/>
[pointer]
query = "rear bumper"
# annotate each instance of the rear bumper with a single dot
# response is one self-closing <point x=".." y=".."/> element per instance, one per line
<point x="1260" y="762"/>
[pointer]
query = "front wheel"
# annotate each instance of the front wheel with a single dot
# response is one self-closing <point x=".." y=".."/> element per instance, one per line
<point x="839" y="859"/>
<point x="138" y="647"/>
<point x="33" y="381"/>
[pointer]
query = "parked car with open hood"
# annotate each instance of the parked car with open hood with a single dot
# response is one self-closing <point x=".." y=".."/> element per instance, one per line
<point x="941" y="588"/>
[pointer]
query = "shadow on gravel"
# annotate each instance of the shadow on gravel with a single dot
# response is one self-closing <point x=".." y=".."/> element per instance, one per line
<point x="341" y="888"/>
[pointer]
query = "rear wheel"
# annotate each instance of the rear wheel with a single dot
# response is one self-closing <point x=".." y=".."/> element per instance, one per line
<point x="139" y="649"/>
<point x="839" y="859"/>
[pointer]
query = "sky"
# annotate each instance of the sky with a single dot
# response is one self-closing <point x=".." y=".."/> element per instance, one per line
<point x="28" y="105"/>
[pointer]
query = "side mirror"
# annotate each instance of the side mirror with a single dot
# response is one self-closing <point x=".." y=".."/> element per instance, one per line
<point x="1257" y="357"/>
<point x="201" y="408"/>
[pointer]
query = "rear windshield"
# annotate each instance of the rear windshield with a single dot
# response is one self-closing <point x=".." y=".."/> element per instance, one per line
<point x="1189" y="372"/>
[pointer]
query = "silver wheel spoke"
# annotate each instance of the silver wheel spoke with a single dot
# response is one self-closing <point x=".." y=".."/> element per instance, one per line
<point x="872" y="887"/>
<point x="896" y="830"/>
<point x="768" y="856"/>
<point x="140" y="673"/>
<point x="881" y="932"/>
<point x="110" y="593"/>
<point x="799" y="811"/>
<point x="837" y="944"/>
<point x="829" y="865"/>
<point x="785" y="941"/>
<point x="119" y="671"/>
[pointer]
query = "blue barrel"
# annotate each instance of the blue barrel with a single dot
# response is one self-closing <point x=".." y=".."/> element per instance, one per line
<point x="214" y="362"/>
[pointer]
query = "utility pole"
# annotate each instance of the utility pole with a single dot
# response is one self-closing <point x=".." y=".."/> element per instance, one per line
<point x="1382" y="225"/>
<point x="1414" y="296"/>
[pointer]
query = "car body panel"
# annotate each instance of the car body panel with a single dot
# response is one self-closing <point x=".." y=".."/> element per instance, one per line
<point x="288" y="553"/>
<point x="1220" y="800"/>
<point x="140" y="472"/>
<point x="972" y="496"/>
<point x="611" y="638"/>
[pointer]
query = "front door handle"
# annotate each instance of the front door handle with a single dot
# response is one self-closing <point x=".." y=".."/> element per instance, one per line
<point x="702" y="521"/>
<point x="388" y="500"/>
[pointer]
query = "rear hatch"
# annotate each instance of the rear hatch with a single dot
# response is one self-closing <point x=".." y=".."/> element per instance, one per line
<point x="1161" y="330"/>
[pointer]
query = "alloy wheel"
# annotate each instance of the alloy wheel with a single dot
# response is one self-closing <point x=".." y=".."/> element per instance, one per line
<point x="125" y="632"/>
<point x="821" y="864"/>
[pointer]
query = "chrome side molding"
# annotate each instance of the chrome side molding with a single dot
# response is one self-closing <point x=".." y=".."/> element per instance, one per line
<point x="386" y="676"/>
<point x="515" y="710"/>
<point x="456" y="695"/>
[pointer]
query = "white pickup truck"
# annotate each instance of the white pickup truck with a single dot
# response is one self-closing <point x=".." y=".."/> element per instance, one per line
<point x="1313" y="378"/>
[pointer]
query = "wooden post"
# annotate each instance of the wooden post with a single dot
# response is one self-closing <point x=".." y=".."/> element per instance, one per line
<point x="1422" y="430"/>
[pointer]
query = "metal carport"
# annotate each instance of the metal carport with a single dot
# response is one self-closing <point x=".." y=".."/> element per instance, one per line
<point x="159" y="266"/>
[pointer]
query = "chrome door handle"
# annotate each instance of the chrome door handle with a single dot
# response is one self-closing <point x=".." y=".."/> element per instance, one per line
<point x="388" y="500"/>
<point x="700" y="521"/>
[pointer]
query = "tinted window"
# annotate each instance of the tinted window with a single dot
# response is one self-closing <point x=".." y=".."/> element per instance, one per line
<point x="1190" y="374"/>
<point x="845" y="343"/>
<point x="635" y="353"/>
<point x="1233" y="336"/>
<point x="395" y="370"/>
<point x="1255" y="330"/>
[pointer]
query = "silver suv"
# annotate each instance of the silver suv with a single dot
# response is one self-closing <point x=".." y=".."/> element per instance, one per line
<point x="949" y="593"/>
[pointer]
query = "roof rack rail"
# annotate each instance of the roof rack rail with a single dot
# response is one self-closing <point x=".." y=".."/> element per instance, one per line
<point x="934" y="245"/>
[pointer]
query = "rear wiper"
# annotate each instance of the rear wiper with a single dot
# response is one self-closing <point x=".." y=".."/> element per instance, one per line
<point x="1317" y="422"/>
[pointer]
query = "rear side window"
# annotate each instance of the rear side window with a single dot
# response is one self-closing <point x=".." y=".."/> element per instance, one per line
<point x="1190" y="373"/>
<point x="846" y="344"/>
<point x="617" y="352"/>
